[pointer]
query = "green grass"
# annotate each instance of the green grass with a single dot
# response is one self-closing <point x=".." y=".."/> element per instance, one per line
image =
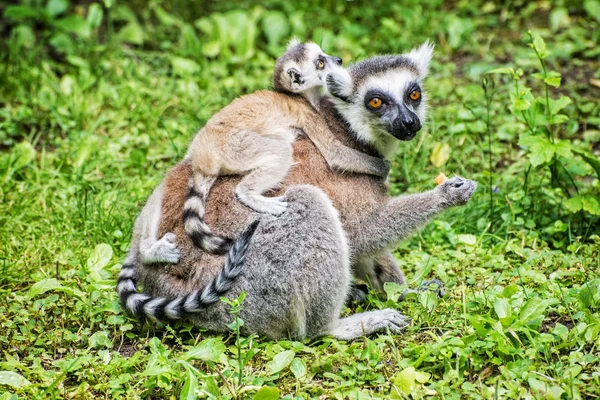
<point x="98" y="100"/>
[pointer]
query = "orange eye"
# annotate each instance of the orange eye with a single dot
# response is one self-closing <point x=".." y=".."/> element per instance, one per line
<point x="415" y="95"/>
<point x="321" y="64"/>
<point x="375" y="102"/>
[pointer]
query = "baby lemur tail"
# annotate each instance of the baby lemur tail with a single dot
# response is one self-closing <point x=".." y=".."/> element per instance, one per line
<point x="193" y="216"/>
<point x="143" y="306"/>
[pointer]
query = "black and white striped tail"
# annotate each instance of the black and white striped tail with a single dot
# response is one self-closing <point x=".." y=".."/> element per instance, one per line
<point x="143" y="306"/>
<point x="193" y="218"/>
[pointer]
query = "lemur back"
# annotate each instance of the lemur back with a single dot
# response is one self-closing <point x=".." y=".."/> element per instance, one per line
<point x="253" y="137"/>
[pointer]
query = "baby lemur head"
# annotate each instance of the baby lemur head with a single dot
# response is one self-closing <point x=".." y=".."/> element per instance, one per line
<point x="303" y="67"/>
<point x="382" y="97"/>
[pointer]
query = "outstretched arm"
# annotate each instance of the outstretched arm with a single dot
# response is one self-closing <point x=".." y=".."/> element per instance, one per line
<point x="400" y="216"/>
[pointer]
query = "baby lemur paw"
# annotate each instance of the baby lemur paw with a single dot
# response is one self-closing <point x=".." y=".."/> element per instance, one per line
<point x="456" y="191"/>
<point x="265" y="205"/>
<point x="434" y="285"/>
<point x="167" y="250"/>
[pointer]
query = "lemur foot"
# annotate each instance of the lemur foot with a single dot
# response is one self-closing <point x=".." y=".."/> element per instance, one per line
<point x="369" y="322"/>
<point x="437" y="289"/>
<point x="456" y="191"/>
<point x="265" y="205"/>
<point x="164" y="250"/>
<point x="357" y="294"/>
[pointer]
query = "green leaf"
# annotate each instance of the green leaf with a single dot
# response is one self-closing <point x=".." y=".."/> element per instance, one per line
<point x="275" y="26"/>
<point x="539" y="45"/>
<point x="100" y="340"/>
<point x="541" y="149"/>
<point x="22" y="155"/>
<point x="590" y="159"/>
<point x="467" y="239"/>
<point x="440" y="154"/>
<point x="43" y="286"/>
<point x="298" y="368"/>
<point x="207" y="350"/>
<point x="99" y="259"/>
<point x="94" y="16"/>
<point x="184" y="66"/>
<point x="20" y="13"/>
<point x="559" y="18"/>
<point x="502" y="307"/>
<point x="502" y="71"/>
<point x="188" y="392"/>
<point x="592" y="7"/>
<point x="532" y="310"/>
<point x="56" y="7"/>
<point x="553" y="79"/>
<point x="404" y="383"/>
<point x="87" y="146"/>
<point x="267" y="393"/>
<point x="280" y="361"/>
<point x="13" y="379"/>
<point x="75" y="24"/>
<point x="131" y="33"/>
<point x="164" y="17"/>
<point x="557" y="105"/>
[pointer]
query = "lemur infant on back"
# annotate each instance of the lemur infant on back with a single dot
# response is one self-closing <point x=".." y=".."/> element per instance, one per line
<point x="253" y="136"/>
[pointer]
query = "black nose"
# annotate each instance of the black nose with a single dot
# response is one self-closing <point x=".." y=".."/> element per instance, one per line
<point x="410" y="123"/>
<point x="337" y="60"/>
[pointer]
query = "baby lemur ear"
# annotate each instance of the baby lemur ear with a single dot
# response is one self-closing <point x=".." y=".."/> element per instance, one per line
<point x="339" y="84"/>
<point x="422" y="57"/>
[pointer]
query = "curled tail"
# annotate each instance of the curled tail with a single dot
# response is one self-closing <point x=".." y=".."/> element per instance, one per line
<point x="143" y="306"/>
<point x="193" y="216"/>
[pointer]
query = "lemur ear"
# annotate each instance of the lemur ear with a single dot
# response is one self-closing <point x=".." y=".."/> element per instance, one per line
<point x="422" y="57"/>
<point x="293" y="42"/>
<point x="339" y="84"/>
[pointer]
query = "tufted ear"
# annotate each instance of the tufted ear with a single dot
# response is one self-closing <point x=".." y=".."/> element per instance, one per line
<point x="422" y="57"/>
<point x="293" y="42"/>
<point x="339" y="84"/>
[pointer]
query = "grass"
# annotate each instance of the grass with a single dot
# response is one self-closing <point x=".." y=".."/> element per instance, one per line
<point x="98" y="100"/>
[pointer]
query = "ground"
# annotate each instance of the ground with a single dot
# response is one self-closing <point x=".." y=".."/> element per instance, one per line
<point x="98" y="100"/>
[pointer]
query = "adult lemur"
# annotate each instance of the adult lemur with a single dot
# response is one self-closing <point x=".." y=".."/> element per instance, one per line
<point x="297" y="266"/>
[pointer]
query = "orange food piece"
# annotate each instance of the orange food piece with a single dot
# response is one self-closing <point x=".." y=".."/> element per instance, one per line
<point x="441" y="178"/>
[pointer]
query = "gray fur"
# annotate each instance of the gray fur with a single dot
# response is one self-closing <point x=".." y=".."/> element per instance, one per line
<point x="145" y="306"/>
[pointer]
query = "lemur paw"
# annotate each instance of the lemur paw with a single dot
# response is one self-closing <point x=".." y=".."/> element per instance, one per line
<point x="438" y="287"/>
<point x="265" y="205"/>
<point x="456" y="191"/>
<point x="167" y="250"/>
<point x="389" y="319"/>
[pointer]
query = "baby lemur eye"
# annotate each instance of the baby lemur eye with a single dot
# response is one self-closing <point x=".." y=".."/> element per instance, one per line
<point x="415" y="95"/>
<point x="321" y="63"/>
<point x="375" y="102"/>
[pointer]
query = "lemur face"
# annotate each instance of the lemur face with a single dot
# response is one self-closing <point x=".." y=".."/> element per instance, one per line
<point x="382" y="97"/>
<point x="304" y="66"/>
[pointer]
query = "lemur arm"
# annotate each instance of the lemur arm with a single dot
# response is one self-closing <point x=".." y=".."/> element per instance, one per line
<point x="400" y="216"/>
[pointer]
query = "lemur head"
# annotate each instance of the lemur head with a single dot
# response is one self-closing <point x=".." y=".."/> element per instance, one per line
<point x="382" y="98"/>
<point x="303" y="67"/>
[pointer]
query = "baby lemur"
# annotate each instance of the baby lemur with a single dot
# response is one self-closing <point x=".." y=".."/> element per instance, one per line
<point x="297" y="267"/>
<point x="255" y="140"/>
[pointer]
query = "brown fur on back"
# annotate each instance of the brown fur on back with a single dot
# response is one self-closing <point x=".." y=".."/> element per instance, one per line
<point x="353" y="195"/>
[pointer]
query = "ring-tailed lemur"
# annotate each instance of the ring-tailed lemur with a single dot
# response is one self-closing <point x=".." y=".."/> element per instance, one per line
<point x="238" y="141"/>
<point x="296" y="275"/>
<point x="254" y="134"/>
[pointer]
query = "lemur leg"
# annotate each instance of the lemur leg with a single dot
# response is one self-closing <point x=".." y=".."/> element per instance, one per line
<point x="269" y="160"/>
<point x="297" y="275"/>
<point x="401" y="216"/>
<point x="152" y="249"/>
<point x="378" y="270"/>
